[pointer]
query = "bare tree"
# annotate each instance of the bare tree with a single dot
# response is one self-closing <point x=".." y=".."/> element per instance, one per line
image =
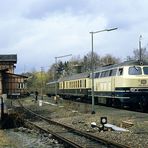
<point x="109" y="59"/>
<point x="136" y="54"/>
<point x="87" y="61"/>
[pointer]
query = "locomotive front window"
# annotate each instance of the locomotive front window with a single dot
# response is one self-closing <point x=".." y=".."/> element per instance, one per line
<point x="135" y="70"/>
<point x="145" y="69"/>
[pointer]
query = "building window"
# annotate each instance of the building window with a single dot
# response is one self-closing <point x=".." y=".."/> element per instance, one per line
<point x="20" y="85"/>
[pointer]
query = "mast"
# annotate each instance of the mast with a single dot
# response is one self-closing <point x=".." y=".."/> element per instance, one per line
<point x="140" y="49"/>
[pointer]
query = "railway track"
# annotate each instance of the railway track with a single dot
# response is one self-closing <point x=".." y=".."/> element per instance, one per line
<point x="69" y="136"/>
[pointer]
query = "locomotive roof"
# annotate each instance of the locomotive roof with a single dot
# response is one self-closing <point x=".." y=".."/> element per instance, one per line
<point x="125" y="63"/>
<point x="76" y="76"/>
<point x="87" y="74"/>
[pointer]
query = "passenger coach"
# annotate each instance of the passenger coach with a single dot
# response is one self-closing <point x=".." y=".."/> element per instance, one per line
<point x="75" y="86"/>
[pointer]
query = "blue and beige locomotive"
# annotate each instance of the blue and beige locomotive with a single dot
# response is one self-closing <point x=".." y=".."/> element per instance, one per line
<point x="124" y="84"/>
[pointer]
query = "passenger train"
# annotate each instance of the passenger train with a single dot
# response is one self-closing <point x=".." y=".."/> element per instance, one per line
<point x="122" y="85"/>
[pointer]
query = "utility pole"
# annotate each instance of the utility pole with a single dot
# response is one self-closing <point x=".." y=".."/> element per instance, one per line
<point x="42" y="69"/>
<point x="140" y="49"/>
<point x="55" y="76"/>
<point x="92" y="63"/>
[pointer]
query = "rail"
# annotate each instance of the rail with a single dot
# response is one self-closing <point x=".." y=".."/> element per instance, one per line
<point x="79" y="132"/>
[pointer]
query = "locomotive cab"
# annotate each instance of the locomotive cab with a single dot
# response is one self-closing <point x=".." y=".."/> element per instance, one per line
<point x="124" y="84"/>
<point x="132" y="87"/>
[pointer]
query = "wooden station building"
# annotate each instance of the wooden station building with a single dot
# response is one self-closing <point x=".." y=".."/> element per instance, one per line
<point x="11" y="84"/>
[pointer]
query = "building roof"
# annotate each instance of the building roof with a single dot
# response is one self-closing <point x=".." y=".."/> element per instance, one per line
<point x="17" y="75"/>
<point x="8" y="58"/>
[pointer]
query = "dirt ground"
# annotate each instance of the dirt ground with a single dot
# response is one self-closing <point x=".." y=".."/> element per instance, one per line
<point x="5" y="141"/>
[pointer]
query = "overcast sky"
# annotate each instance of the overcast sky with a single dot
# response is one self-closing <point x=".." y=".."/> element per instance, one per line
<point x="40" y="30"/>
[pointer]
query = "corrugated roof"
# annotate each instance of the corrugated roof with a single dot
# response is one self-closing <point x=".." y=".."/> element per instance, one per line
<point x="8" y="58"/>
<point x="17" y="75"/>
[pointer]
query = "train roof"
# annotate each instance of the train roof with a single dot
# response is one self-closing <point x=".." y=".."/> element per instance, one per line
<point x="88" y="74"/>
<point x="51" y="82"/>
<point x="74" y="77"/>
<point x="125" y="63"/>
<point x="71" y="77"/>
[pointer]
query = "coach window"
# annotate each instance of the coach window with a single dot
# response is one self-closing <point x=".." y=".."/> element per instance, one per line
<point x="80" y="83"/>
<point x="69" y="84"/>
<point x="134" y="70"/>
<point x="85" y="83"/>
<point x="66" y="85"/>
<point x="120" y="71"/>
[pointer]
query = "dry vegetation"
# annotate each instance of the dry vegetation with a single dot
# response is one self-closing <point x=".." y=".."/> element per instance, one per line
<point x="5" y="141"/>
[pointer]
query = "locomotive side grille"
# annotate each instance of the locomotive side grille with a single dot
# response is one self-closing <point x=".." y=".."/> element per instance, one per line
<point x="142" y="89"/>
